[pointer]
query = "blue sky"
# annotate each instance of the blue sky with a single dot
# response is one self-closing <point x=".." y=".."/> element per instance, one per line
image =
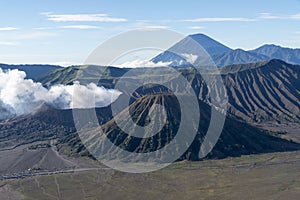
<point x="66" y="31"/>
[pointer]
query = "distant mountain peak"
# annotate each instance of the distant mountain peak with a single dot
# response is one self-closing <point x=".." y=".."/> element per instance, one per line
<point x="276" y="46"/>
<point x="200" y="36"/>
<point x="198" y="45"/>
<point x="211" y="45"/>
<point x="210" y="52"/>
<point x="240" y="50"/>
<point x="288" y="55"/>
<point x="239" y="56"/>
<point x="271" y="45"/>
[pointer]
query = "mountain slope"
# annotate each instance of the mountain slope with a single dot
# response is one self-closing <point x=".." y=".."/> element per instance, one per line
<point x="268" y="92"/>
<point x="200" y="50"/>
<point x="211" y="46"/>
<point x="192" y="50"/>
<point x="68" y="75"/>
<point x="257" y="92"/>
<point x="237" y="138"/>
<point x="238" y="56"/>
<point x="44" y="123"/>
<point x="32" y="71"/>
<point x="276" y="52"/>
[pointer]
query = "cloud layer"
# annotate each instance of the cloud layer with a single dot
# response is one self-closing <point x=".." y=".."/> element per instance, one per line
<point x="272" y="16"/>
<point x="220" y="19"/>
<point x="82" y="18"/>
<point x="8" y="28"/>
<point x="21" y="96"/>
<point x="80" y="27"/>
<point x="142" y="63"/>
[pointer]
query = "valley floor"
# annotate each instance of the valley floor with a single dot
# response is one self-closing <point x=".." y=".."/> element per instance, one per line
<point x="266" y="176"/>
<point x="288" y="131"/>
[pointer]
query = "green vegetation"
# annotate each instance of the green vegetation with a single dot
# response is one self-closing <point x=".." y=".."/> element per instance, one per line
<point x="85" y="74"/>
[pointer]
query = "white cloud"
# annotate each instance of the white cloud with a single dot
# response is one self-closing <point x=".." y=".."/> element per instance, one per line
<point x="191" y="58"/>
<point x="156" y="27"/>
<point x="2" y="43"/>
<point x="80" y="27"/>
<point x="82" y="18"/>
<point x="272" y="16"/>
<point x="42" y="28"/>
<point x="196" y="27"/>
<point x="8" y="28"/>
<point x="64" y="63"/>
<point x="296" y="16"/>
<point x="220" y="19"/>
<point x="268" y="16"/>
<point x="20" y="96"/>
<point x="142" y="63"/>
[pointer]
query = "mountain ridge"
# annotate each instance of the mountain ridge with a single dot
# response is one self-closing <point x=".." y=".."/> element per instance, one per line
<point x="238" y="56"/>
<point x="290" y="55"/>
<point x="263" y="86"/>
<point x="198" y="45"/>
<point x="237" y="138"/>
<point x="212" y="53"/>
<point x="33" y="71"/>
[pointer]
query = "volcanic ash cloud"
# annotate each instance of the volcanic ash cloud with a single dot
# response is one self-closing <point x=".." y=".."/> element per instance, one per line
<point x="21" y="96"/>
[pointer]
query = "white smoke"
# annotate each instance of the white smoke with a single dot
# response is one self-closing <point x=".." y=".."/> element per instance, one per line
<point x="21" y="96"/>
<point x="191" y="58"/>
<point x="142" y="63"/>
